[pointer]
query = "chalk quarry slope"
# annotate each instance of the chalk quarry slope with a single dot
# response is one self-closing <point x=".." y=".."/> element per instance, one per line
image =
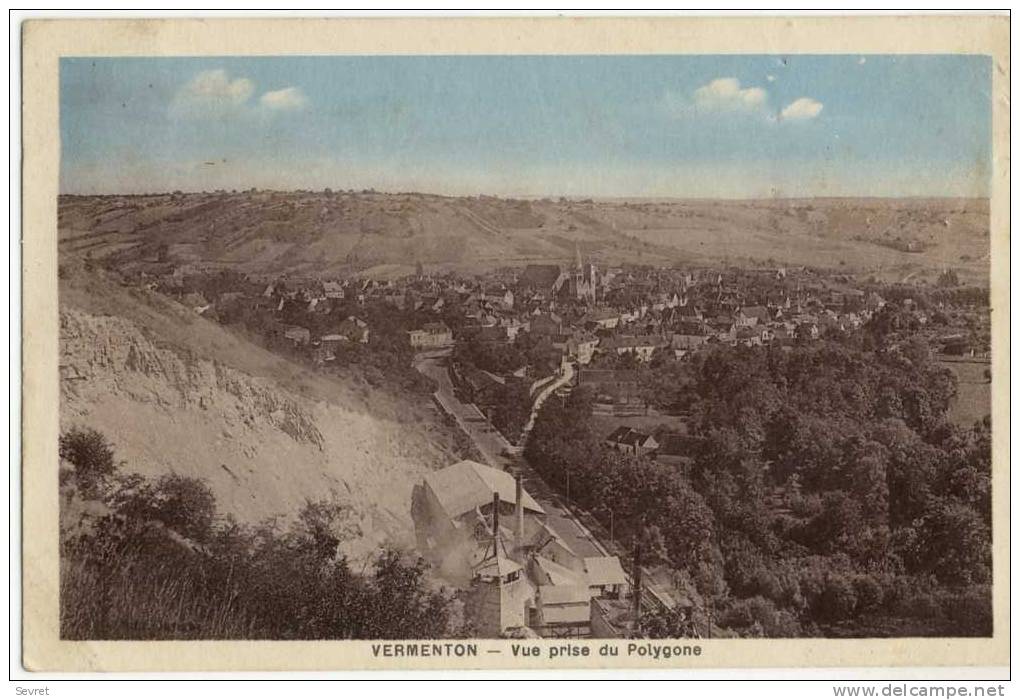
<point x="176" y="393"/>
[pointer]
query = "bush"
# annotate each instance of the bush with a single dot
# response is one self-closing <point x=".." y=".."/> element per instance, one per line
<point x="185" y="505"/>
<point x="970" y="611"/>
<point x="91" y="455"/>
<point x="745" y="612"/>
<point x="158" y="562"/>
<point x="838" y="599"/>
<point x="759" y="616"/>
<point x="953" y="543"/>
<point x="671" y="624"/>
<point x="921" y="604"/>
<point x="868" y="592"/>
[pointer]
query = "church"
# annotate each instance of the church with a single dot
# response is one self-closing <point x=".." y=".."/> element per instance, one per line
<point x="582" y="283"/>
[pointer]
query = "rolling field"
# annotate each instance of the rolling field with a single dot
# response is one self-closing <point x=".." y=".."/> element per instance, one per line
<point x="974" y="397"/>
<point x="385" y="235"/>
<point x="894" y="238"/>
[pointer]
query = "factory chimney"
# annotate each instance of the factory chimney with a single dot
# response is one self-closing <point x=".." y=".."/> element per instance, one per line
<point x="495" y="523"/>
<point x="519" y="531"/>
<point x="637" y="587"/>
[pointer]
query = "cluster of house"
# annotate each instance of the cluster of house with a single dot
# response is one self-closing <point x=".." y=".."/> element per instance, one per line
<point x="316" y="299"/>
<point x="584" y="312"/>
<point x="630" y="441"/>
<point x="486" y="535"/>
<point x="581" y="315"/>
<point x="580" y="311"/>
<point x="666" y="444"/>
<point x="578" y="315"/>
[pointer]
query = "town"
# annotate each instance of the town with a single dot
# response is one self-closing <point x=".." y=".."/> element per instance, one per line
<point x="492" y="349"/>
<point x="518" y="328"/>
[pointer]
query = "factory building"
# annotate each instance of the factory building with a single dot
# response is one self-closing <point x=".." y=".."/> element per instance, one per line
<point x="486" y="535"/>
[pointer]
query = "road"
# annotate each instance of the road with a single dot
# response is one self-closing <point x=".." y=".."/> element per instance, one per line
<point x="496" y="452"/>
<point x="545" y="393"/>
<point x="486" y="438"/>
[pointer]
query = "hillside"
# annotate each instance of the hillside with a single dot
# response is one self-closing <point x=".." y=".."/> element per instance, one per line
<point x="327" y="233"/>
<point x="317" y="233"/>
<point x="894" y="238"/>
<point x="174" y="392"/>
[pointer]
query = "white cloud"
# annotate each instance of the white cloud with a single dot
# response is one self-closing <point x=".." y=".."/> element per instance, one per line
<point x="770" y="78"/>
<point x="800" y="109"/>
<point x="213" y="92"/>
<point x="287" y="99"/>
<point x="726" y="95"/>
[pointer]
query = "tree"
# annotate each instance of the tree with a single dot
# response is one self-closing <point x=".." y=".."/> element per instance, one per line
<point x="917" y="350"/>
<point x="866" y="474"/>
<point x="91" y="455"/>
<point x="667" y="624"/>
<point x="838" y="599"/>
<point x="184" y="504"/>
<point x="667" y="386"/>
<point x="399" y="604"/>
<point x="868" y="591"/>
<point x="826" y="478"/>
<point x="759" y="617"/>
<point x="953" y="543"/>
<point x="512" y="409"/>
<point x="325" y="523"/>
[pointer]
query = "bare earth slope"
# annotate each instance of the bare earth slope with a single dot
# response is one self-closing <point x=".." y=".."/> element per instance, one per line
<point x="317" y="233"/>
<point x="175" y="392"/>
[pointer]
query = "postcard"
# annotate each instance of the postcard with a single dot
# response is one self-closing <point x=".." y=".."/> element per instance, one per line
<point x="515" y="343"/>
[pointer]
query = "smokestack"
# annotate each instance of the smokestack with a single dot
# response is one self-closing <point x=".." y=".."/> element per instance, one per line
<point x="519" y="540"/>
<point x="637" y="585"/>
<point x="495" y="523"/>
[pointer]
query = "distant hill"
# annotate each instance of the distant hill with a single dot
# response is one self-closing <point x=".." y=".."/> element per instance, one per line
<point x="332" y="233"/>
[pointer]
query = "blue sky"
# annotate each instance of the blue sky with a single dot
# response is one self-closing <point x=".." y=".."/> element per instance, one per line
<point x="679" y="126"/>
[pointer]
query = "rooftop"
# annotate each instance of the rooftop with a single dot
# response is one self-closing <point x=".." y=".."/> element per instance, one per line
<point x="557" y="574"/>
<point x="498" y="565"/>
<point x="467" y="485"/>
<point x="564" y="594"/>
<point x="604" y="571"/>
